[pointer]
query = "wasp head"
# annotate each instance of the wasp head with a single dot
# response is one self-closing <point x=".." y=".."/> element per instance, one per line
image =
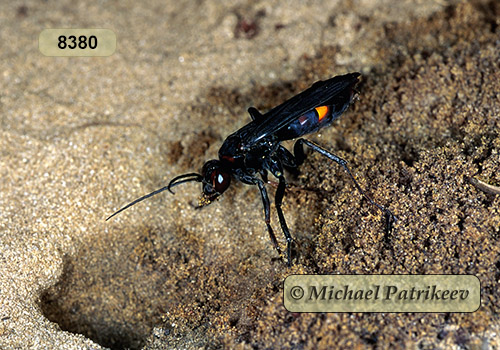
<point x="216" y="179"/>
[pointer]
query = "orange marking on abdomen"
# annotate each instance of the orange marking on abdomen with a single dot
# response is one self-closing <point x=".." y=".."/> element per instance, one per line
<point x="322" y="112"/>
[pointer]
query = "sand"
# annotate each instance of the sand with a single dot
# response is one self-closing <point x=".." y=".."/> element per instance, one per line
<point x="81" y="137"/>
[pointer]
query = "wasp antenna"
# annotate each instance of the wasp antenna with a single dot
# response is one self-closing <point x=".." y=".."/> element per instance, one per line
<point x="192" y="177"/>
<point x="187" y="178"/>
<point x="139" y="200"/>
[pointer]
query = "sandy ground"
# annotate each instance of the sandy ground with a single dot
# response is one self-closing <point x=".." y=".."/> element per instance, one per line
<point x="81" y="137"/>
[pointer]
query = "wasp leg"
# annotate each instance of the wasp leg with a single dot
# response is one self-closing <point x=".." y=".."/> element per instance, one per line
<point x="250" y="180"/>
<point x="286" y="158"/>
<point x="298" y="151"/>
<point x="267" y="214"/>
<point x="267" y="207"/>
<point x="278" y="199"/>
<point x="274" y="165"/>
<point x="263" y="175"/>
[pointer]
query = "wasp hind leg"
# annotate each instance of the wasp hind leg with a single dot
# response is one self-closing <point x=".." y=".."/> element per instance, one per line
<point x="299" y="154"/>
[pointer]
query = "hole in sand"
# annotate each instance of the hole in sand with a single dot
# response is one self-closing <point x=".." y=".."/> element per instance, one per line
<point x="114" y="289"/>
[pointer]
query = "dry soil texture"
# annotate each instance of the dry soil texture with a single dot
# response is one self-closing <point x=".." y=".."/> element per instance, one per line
<point x="81" y="137"/>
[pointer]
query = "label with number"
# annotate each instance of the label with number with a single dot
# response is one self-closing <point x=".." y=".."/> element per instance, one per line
<point x="77" y="42"/>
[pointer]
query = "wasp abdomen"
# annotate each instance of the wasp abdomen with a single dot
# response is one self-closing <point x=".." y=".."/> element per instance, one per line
<point x="309" y="122"/>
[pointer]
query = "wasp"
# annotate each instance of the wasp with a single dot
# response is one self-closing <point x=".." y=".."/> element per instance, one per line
<point x="255" y="150"/>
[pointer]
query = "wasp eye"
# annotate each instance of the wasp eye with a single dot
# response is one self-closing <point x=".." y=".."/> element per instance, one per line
<point x="216" y="178"/>
<point x="220" y="180"/>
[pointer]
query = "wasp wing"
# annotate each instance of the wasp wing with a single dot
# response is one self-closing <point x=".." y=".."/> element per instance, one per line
<point x="334" y="91"/>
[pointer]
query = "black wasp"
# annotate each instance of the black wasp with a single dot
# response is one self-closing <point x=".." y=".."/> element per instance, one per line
<point x="256" y="148"/>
